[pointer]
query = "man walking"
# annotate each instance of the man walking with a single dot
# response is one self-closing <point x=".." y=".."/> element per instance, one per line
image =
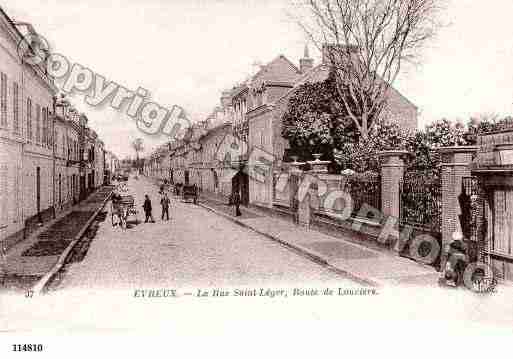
<point x="236" y="203"/>
<point x="147" y="209"/>
<point x="164" y="202"/>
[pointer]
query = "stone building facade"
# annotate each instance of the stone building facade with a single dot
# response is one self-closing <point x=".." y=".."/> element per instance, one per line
<point x="39" y="148"/>
<point x="26" y="160"/>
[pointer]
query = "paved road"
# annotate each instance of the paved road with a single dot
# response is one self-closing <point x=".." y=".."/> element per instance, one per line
<point x="195" y="248"/>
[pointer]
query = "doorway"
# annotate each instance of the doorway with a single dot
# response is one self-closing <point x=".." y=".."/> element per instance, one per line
<point x="38" y="191"/>
<point x="60" y="197"/>
<point x="186" y="175"/>
<point x="240" y="183"/>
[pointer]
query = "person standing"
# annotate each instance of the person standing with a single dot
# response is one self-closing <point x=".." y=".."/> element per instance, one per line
<point x="147" y="209"/>
<point x="236" y="203"/>
<point x="164" y="202"/>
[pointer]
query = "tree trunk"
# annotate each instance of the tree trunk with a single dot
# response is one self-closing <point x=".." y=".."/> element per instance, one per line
<point x="364" y="129"/>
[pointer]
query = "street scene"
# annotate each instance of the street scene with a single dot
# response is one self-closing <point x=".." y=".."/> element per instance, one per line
<point x="184" y="253"/>
<point x="350" y="153"/>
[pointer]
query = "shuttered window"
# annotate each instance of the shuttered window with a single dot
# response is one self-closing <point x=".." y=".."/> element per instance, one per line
<point x="44" y="140"/>
<point x="3" y="99"/>
<point x="29" y="118"/>
<point x="15" y="110"/>
<point x="3" y="195"/>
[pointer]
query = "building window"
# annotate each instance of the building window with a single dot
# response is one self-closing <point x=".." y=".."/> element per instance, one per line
<point x="3" y="99"/>
<point x="4" y="195"/>
<point x="48" y="128"/>
<point x="45" y="140"/>
<point x="16" y="119"/>
<point x="43" y="127"/>
<point x="29" y="118"/>
<point x="38" y="123"/>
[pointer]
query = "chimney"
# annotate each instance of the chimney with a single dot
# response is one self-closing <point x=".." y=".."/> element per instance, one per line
<point x="226" y="98"/>
<point x="306" y="63"/>
<point x="329" y="52"/>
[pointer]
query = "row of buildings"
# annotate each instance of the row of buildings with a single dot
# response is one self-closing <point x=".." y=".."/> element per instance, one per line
<point x="49" y="157"/>
<point x="249" y="117"/>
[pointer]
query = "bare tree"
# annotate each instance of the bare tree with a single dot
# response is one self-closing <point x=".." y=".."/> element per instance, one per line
<point x="138" y="146"/>
<point x="367" y="42"/>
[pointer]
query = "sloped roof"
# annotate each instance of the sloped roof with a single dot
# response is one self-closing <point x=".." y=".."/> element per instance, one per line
<point x="317" y="74"/>
<point x="278" y="70"/>
<point x="320" y="73"/>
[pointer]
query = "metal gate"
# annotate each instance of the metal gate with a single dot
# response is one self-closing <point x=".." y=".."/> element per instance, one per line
<point x="420" y="202"/>
<point x="472" y="218"/>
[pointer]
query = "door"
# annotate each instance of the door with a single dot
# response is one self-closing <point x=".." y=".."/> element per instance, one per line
<point x="216" y="181"/>
<point x="244" y="188"/>
<point x="240" y="183"/>
<point x="38" y="190"/>
<point x="82" y="186"/>
<point x="60" y="198"/>
<point x="186" y="174"/>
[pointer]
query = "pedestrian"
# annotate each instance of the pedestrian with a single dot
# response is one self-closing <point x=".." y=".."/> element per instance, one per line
<point x="236" y="203"/>
<point x="164" y="202"/>
<point x="457" y="260"/>
<point x="147" y="209"/>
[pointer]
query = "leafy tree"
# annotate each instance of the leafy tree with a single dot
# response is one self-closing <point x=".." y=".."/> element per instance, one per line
<point x="362" y="156"/>
<point x="312" y="123"/>
<point x="445" y="133"/>
<point x="488" y="123"/>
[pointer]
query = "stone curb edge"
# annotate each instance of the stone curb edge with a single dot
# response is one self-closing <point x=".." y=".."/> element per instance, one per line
<point x="40" y="286"/>
<point x="302" y="250"/>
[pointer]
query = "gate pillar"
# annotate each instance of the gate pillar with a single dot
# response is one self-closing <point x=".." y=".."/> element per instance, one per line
<point x="392" y="172"/>
<point x="456" y="163"/>
<point x="300" y="207"/>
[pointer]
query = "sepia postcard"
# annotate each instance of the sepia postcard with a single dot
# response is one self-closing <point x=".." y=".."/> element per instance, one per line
<point x="243" y="178"/>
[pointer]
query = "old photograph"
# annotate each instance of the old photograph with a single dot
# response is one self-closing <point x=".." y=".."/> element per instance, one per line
<point x="189" y="161"/>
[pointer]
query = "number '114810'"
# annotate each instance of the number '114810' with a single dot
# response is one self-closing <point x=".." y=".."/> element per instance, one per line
<point x="27" y="347"/>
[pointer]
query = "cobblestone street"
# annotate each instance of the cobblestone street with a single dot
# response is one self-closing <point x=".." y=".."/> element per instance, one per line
<point x="195" y="248"/>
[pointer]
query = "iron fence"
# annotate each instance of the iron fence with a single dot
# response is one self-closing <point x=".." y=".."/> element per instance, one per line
<point x="421" y="201"/>
<point x="365" y="189"/>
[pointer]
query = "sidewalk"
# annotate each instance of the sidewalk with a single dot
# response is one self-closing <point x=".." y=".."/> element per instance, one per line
<point x="35" y="256"/>
<point x="365" y="265"/>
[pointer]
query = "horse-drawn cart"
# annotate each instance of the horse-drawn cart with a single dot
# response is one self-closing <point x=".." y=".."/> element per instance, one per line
<point x="122" y="207"/>
<point x="190" y="193"/>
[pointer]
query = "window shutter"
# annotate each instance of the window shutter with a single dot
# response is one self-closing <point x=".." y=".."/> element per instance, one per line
<point x="15" y="99"/>
<point x="3" y="99"/>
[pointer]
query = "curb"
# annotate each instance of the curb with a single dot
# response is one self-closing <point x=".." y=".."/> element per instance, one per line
<point x="39" y="287"/>
<point x="313" y="256"/>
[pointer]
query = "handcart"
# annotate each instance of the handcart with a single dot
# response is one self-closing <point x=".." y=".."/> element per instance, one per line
<point x="122" y="208"/>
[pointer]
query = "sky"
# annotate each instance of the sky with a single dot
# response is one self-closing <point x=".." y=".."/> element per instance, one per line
<point x="185" y="52"/>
